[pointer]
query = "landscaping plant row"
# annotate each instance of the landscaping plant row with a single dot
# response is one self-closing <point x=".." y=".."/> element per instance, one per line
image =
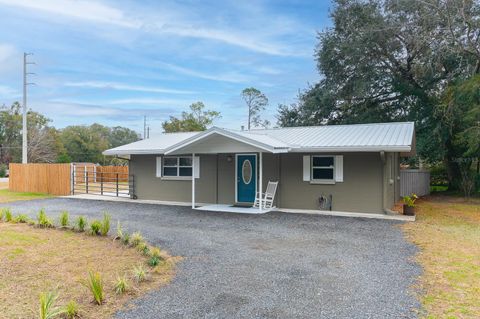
<point x="94" y="281"/>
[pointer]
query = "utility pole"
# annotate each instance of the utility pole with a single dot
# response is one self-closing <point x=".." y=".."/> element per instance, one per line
<point x="24" y="118"/>
<point x="144" y="127"/>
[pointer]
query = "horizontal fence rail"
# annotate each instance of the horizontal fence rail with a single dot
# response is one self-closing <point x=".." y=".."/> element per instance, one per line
<point x="415" y="181"/>
<point x="97" y="182"/>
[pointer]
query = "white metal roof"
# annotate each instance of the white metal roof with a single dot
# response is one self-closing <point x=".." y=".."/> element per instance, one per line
<point x="397" y="136"/>
<point x="153" y="145"/>
<point x="393" y="137"/>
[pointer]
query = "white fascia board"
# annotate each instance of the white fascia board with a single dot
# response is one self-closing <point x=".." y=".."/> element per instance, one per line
<point x="219" y="131"/>
<point x="352" y="149"/>
<point x="132" y="152"/>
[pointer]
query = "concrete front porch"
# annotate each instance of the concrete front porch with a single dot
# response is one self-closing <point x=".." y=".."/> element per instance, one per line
<point x="233" y="209"/>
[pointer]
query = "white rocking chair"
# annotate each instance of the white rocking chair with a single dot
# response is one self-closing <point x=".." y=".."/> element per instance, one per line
<point x="268" y="196"/>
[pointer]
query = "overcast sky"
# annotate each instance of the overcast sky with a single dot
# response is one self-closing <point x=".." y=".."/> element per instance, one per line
<point x="113" y="62"/>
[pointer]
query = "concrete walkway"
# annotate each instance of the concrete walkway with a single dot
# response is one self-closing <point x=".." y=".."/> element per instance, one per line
<point x="217" y="208"/>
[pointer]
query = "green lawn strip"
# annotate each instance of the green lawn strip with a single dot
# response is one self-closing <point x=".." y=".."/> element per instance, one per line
<point x="9" y="196"/>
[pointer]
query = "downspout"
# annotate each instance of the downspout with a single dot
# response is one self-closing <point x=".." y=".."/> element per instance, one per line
<point x="384" y="184"/>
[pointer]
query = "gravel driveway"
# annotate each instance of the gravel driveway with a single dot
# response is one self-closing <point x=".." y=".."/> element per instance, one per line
<point x="275" y="265"/>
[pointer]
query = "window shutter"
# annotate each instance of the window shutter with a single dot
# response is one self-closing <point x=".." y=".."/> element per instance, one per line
<point x="306" y="168"/>
<point x="196" y="162"/>
<point x="339" y="168"/>
<point x="159" y="167"/>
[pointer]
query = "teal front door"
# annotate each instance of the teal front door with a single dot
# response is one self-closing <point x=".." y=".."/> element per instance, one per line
<point x="246" y="178"/>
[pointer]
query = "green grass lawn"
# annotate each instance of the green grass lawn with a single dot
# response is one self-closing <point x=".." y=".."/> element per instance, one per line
<point x="35" y="260"/>
<point x="447" y="230"/>
<point x="8" y="196"/>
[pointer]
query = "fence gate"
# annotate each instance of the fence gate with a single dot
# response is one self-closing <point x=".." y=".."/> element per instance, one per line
<point x="414" y="181"/>
<point x="102" y="180"/>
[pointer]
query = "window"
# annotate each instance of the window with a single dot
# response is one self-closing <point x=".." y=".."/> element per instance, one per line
<point x="323" y="168"/>
<point x="180" y="166"/>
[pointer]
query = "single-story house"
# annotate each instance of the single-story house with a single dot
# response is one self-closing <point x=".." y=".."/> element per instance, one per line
<point x="350" y="168"/>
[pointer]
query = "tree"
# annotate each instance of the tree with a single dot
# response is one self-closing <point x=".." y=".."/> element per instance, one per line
<point x="85" y="143"/>
<point x="458" y="128"/>
<point x="196" y="120"/>
<point x="390" y="60"/>
<point x="256" y="102"/>
<point x="42" y="146"/>
<point x="119" y="135"/>
<point x="41" y="137"/>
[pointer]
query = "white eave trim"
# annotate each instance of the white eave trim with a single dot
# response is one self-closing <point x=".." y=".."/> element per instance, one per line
<point x="389" y="148"/>
<point x="133" y="152"/>
<point x="227" y="134"/>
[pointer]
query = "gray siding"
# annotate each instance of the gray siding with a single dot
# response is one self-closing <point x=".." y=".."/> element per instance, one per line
<point x="362" y="189"/>
<point x="148" y="186"/>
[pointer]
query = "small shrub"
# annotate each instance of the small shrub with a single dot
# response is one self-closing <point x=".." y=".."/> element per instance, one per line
<point x="153" y="261"/>
<point x="2" y="213"/>
<point x="156" y="253"/>
<point x="121" y="285"/>
<point x="71" y="309"/>
<point x="136" y="239"/>
<point x="410" y="200"/>
<point x="146" y="250"/>
<point x="143" y="248"/>
<point x="105" y="225"/>
<point x="64" y="219"/>
<point x="7" y="215"/>
<point x="94" y="283"/>
<point x="139" y="274"/>
<point x="31" y="222"/>
<point x="119" y="231"/>
<point x="95" y="227"/>
<point x="43" y="220"/>
<point x="47" y="305"/>
<point x="22" y="218"/>
<point x="3" y="170"/>
<point x="126" y="239"/>
<point x="81" y="223"/>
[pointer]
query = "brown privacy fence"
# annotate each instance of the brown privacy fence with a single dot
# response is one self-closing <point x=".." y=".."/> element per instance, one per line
<point x="40" y="178"/>
<point x="79" y="170"/>
<point x="415" y="181"/>
<point x="110" y="173"/>
<point x="96" y="173"/>
<point x="66" y="179"/>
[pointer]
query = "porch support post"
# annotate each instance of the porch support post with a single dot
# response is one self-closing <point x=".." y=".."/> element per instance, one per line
<point x="260" y="182"/>
<point x="193" y="180"/>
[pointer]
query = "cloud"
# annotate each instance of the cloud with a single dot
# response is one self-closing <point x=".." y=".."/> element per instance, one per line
<point x="169" y="22"/>
<point x="8" y="92"/>
<point x="269" y="70"/>
<point x="232" y="77"/>
<point x="125" y="87"/>
<point x="74" y="109"/>
<point x="150" y="101"/>
<point x="80" y="9"/>
<point x="6" y="52"/>
<point x="229" y="37"/>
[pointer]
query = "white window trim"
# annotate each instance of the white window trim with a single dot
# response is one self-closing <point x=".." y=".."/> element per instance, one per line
<point x="322" y="181"/>
<point x="176" y="177"/>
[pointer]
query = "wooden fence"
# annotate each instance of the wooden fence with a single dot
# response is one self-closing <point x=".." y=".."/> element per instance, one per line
<point x="414" y="181"/>
<point x="40" y="178"/>
<point x="109" y="173"/>
<point x="56" y="179"/>
<point x="80" y="171"/>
